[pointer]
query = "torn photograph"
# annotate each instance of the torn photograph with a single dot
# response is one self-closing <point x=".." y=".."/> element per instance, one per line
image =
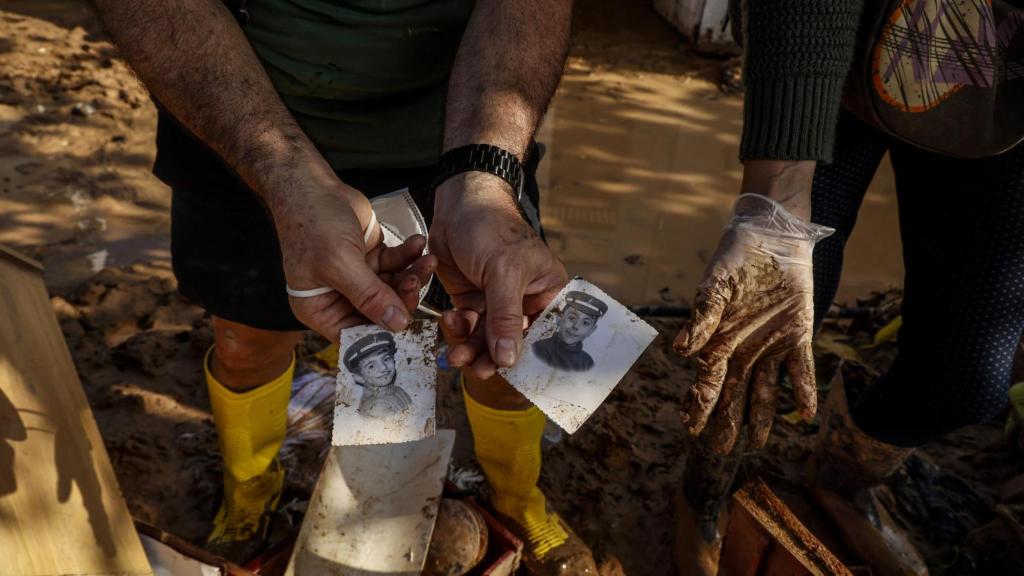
<point x="576" y="352"/>
<point x="386" y="385"/>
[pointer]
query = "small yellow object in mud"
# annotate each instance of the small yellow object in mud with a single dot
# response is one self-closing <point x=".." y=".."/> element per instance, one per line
<point x="794" y="418"/>
<point x="889" y="332"/>
<point x="1016" y="417"/>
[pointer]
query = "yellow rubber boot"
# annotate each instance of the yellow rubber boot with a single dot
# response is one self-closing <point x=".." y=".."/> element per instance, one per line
<point x="507" y="445"/>
<point x="251" y="427"/>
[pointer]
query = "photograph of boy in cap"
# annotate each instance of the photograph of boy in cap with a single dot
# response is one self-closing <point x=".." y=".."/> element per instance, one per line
<point x="371" y="361"/>
<point x="563" y="350"/>
<point x="577" y="351"/>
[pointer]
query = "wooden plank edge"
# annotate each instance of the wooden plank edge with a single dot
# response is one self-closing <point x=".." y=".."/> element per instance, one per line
<point x="19" y="258"/>
<point x="191" y="550"/>
<point x="774" y="515"/>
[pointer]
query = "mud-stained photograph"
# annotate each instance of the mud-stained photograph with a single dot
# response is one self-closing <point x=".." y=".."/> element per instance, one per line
<point x="371" y="362"/>
<point x="577" y="320"/>
<point x="576" y="352"/>
<point x="386" y="385"/>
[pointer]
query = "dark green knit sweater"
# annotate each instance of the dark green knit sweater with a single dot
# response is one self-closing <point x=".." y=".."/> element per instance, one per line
<point x="796" y="57"/>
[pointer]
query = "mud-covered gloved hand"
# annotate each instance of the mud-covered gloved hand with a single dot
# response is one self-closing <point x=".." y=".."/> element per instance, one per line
<point x="754" y="312"/>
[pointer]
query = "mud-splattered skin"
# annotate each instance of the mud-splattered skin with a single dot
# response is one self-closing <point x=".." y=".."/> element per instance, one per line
<point x="753" y="314"/>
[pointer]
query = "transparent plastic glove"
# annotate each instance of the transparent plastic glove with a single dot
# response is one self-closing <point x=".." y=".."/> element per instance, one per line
<point x="754" y="312"/>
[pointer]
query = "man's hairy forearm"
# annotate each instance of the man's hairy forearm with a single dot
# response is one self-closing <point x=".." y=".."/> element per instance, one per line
<point x="193" y="57"/>
<point x="507" y="68"/>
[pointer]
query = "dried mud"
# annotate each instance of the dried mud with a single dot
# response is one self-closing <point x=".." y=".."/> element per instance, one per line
<point x="76" y="146"/>
<point x="138" y="348"/>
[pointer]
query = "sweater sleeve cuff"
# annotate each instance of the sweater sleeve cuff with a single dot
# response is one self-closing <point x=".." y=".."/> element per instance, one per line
<point x="790" y="118"/>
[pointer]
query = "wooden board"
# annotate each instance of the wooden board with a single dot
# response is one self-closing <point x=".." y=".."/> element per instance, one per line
<point x="373" y="509"/>
<point x="765" y="538"/>
<point x="171" y="556"/>
<point x="747" y="535"/>
<point x="61" y="511"/>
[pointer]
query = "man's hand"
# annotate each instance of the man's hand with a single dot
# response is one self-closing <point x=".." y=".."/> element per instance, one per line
<point x="321" y="235"/>
<point x="196" y="61"/>
<point x="754" y="312"/>
<point x="495" y="266"/>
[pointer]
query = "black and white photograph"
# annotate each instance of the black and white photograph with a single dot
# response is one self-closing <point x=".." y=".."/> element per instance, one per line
<point x="371" y="362"/>
<point x="576" y="352"/>
<point x="385" y="390"/>
<point x="577" y="320"/>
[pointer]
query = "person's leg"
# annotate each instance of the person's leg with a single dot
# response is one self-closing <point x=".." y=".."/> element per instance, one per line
<point x="507" y="432"/>
<point x="963" y="314"/>
<point x="836" y="197"/>
<point x="249" y="376"/>
<point x="244" y="358"/>
<point x="226" y="259"/>
<point x="844" y="456"/>
<point x="963" y="310"/>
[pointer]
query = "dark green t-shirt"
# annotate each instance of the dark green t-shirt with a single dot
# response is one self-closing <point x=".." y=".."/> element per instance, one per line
<point x="365" y="79"/>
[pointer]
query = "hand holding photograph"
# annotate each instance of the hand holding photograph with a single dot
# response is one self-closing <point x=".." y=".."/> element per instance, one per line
<point x="386" y="385"/>
<point x="576" y="352"/>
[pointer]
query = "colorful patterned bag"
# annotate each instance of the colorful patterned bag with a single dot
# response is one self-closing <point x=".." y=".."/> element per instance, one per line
<point x="944" y="75"/>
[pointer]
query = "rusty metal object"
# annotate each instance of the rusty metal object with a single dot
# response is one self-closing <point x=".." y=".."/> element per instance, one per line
<point x="163" y="545"/>
<point x="459" y="542"/>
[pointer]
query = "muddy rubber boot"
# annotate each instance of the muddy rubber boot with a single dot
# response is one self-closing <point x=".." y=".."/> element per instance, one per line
<point x="243" y="521"/>
<point x="507" y="445"/>
<point x="251" y="427"/>
<point x="846" y="467"/>
<point x="701" y="509"/>
<point x="571" y="557"/>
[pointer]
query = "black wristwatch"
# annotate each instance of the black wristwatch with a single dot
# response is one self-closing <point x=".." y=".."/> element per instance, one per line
<point x="482" y="158"/>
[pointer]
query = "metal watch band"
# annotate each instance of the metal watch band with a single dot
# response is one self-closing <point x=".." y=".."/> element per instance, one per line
<point x="482" y="158"/>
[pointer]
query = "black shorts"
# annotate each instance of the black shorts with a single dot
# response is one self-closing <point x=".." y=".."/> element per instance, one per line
<point x="224" y="249"/>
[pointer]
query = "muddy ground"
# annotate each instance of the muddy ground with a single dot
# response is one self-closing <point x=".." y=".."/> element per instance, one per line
<point x="75" y="150"/>
<point x="138" y="348"/>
